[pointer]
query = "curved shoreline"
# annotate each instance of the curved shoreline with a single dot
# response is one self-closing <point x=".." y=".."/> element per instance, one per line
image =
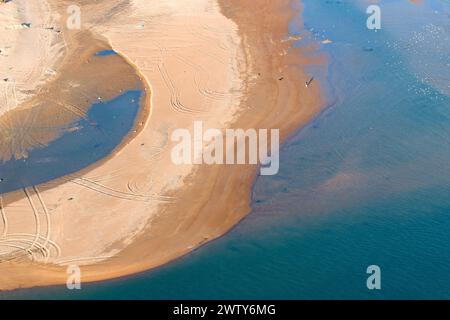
<point x="142" y="116"/>
<point x="177" y="229"/>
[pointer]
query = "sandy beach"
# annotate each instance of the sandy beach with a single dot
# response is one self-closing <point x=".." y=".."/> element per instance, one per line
<point x="227" y="63"/>
<point x="26" y="37"/>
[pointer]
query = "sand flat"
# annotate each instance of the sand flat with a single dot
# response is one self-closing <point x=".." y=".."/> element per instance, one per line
<point x="28" y="56"/>
<point x="216" y="62"/>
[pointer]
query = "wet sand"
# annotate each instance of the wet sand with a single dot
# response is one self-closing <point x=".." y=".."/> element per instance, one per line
<point x="85" y="79"/>
<point x="225" y="63"/>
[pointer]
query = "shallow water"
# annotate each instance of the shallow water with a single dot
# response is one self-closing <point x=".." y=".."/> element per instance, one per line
<point x="92" y="138"/>
<point x="365" y="183"/>
<point x="105" y="53"/>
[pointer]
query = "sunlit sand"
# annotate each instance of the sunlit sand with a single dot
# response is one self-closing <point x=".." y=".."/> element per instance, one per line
<point x="224" y="63"/>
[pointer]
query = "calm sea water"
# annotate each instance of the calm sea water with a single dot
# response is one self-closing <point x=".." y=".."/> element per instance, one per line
<point x="105" y="126"/>
<point x="367" y="182"/>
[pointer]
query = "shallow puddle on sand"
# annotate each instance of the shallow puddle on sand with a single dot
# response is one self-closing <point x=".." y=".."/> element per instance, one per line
<point x="86" y="141"/>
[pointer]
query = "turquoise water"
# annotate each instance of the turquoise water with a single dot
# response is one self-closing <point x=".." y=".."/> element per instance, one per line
<point x="97" y="135"/>
<point x="366" y="182"/>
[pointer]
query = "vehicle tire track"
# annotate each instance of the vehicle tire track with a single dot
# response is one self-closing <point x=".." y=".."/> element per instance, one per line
<point x="47" y="217"/>
<point x="118" y="194"/>
<point x="4" y="218"/>
<point x="36" y="217"/>
<point x="175" y="102"/>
